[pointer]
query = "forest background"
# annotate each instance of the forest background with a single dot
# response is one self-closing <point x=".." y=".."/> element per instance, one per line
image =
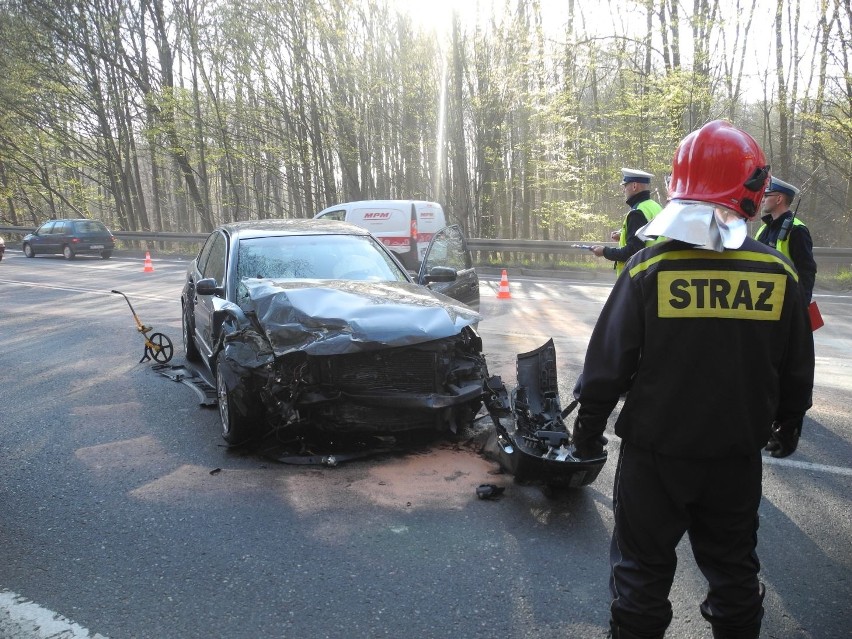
<point x="178" y="115"/>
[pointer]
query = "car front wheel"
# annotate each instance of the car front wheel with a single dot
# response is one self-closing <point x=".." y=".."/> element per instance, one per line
<point x="189" y="347"/>
<point x="68" y="252"/>
<point x="236" y="425"/>
<point x="28" y="250"/>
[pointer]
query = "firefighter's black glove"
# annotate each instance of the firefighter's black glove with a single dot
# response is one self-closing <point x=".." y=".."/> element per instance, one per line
<point x="578" y="386"/>
<point x="591" y="448"/>
<point x="784" y="438"/>
<point x="589" y="441"/>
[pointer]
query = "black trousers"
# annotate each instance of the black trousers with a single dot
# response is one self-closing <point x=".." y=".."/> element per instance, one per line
<point x="656" y="500"/>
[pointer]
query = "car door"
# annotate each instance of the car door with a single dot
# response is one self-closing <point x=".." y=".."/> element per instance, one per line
<point x="448" y="250"/>
<point x="59" y="235"/>
<point x="214" y="267"/>
<point x="40" y="240"/>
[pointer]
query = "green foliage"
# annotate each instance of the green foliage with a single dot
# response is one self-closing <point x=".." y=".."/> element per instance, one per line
<point x="279" y="109"/>
<point x="572" y="220"/>
<point x="844" y="278"/>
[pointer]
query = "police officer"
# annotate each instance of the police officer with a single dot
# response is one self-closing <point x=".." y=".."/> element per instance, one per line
<point x="784" y="231"/>
<point x="637" y="194"/>
<point x="690" y="333"/>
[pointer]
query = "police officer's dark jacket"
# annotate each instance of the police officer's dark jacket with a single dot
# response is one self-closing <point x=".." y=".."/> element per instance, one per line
<point x="798" y="246"/>
<point x="712" y="347"/>
<point x="636" y="218"/>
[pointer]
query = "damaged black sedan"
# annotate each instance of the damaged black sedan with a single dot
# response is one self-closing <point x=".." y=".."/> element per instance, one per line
<point x="315" y="324"/>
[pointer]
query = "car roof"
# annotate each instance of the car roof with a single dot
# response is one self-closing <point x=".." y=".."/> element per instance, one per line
<point x="374" y="203"/>
<point x="300" y="226"/>
<point x="72" y="219"/>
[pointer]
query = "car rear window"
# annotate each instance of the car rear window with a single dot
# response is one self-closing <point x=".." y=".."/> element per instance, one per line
<point x="89" y="226"/>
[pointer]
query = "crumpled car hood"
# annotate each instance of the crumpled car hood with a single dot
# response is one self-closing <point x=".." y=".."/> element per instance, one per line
<point x="332" y="317"/>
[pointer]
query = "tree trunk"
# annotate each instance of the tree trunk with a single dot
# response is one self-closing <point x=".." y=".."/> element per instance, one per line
<point x="167" y="112"/>
<point x="781" y="161"/>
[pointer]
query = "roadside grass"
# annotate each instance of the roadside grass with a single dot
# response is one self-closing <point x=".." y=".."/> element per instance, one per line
<point x="836" y="280"/>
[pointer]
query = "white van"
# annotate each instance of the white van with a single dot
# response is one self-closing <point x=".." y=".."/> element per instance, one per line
<point x="398" y="224"/>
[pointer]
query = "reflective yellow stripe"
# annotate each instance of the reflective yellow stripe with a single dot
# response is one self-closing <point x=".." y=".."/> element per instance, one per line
<point x="694" y="254"/>
<point x="725" y="294"/>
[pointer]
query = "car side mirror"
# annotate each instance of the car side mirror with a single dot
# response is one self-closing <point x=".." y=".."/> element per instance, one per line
<point x="208" y="286"/>
<point x="440" y="274"/>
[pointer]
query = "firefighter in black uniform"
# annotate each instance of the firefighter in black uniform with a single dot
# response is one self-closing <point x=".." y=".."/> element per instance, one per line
<point x="707" y="335"/>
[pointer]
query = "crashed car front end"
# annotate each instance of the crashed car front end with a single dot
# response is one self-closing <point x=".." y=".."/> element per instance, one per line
<point x="351" y="358"/>
<point x="432" y="385"/>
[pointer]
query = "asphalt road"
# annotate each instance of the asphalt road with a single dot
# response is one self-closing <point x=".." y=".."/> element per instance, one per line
<point x="123" y="516"/>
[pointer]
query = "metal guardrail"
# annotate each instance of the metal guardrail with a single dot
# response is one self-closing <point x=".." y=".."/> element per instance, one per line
<point x="475" y="244"/>
<point x="548" y="246"/>
<point x="131" y="236"/>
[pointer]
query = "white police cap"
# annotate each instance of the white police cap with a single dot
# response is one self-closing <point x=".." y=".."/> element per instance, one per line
<point x="635" y="175"/>
<point x="780" y="186"/>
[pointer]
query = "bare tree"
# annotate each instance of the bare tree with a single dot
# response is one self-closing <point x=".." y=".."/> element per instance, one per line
<point x="781" y="160"/>
<point x="165" y="109"/>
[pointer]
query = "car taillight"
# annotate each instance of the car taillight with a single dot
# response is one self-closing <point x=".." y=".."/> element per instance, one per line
<point x="75" y="239"/>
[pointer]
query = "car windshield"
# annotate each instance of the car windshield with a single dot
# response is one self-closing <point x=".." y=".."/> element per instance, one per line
<point x="336" y="257"/>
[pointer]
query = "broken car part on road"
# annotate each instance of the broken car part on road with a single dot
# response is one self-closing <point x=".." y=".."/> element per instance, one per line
<point x="530" y="439"/>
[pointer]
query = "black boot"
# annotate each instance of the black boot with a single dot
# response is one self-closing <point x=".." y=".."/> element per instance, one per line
<point x="618" y="632"/>
<point x="748" y="632"/>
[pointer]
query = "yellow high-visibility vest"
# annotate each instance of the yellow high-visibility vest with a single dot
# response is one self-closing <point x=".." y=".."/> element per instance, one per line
<point x="649" y="209"/>
<point x="782" y="245"/>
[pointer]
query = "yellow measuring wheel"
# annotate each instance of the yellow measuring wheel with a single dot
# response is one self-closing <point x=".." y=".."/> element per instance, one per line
<point x="158" y="346"/>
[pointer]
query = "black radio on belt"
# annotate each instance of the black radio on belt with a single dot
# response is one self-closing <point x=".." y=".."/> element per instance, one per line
<point x="784" y="231"/>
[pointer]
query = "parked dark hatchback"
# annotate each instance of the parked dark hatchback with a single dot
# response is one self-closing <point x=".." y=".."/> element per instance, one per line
<point x="313" y="324"/>
<point x="70" y="237"/>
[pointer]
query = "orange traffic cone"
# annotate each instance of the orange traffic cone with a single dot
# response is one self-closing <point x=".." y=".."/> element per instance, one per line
<point x="149" y="267"/>
<point x="503" y="292"/>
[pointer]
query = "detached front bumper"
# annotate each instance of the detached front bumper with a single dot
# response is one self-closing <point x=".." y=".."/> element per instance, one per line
<point x="530" y="439"/>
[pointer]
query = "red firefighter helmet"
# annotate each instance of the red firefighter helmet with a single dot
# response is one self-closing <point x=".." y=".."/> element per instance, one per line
<point x="720" y="164"/>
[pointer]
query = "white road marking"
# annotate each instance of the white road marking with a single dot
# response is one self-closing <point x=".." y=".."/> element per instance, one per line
<point x="834" y="296"/>
<point x="837" y="470"/>
<point x="21" y="618"/>
<point x="74" y="289"/>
